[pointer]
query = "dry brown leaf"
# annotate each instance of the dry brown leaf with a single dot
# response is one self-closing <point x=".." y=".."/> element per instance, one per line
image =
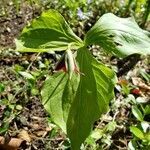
<point x="138" y="82"/>
<point x="35" y="126"/>
<point x="37" y="118"/>
<point x="2" y="140"/>
<point x="13" y="144"/>
<point x="6" y="147"/>
<point x="48" y="129"/>
<point x="24" y="136"/>
<point x="123" y="82"/>
<point x="41" y="133"/>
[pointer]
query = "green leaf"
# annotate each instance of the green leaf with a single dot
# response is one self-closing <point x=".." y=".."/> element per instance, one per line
<point x="137" y="132"/>
<point x="48" y="32"/>
<point x="97" y="134"/>
<point x="26" y="75"/>
<point x="75" y="104"/>
<point x="147" y="137"/>
<point x="137" y="113"/>
<point x="4" y="127"/>
<point x="92" y="98"/>
<point x="119" y="36"/>
<point x="57" y="95"/>
<point x="147" y="109"/>
<point x="145" y="75"/>
<point x="111" y="126"/>
<point x="2" y="87"/>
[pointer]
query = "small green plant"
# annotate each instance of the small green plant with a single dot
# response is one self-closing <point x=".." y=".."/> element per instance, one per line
<point x="81" y="89"/>
<point x="140" y="130"/>
<point x="11" y="110"/>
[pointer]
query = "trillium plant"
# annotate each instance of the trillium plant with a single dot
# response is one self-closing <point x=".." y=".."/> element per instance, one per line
<point x="80" y="90"/>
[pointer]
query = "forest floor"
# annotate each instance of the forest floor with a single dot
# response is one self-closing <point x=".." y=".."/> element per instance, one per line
<point x="22" y="116"/>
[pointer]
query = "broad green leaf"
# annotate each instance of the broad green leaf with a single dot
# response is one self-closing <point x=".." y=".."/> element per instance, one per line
<point x="137" y="132"/>
<point x="57" y="95"/>
<point x="92" y="97"/>
<point x="48" y="32"/>
<point x="75" y="104"/>
<point x="137" y="113"/>
<point x="119" y="36"/>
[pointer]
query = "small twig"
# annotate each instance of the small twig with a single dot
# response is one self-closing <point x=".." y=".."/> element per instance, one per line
<point x="32" y="62"/>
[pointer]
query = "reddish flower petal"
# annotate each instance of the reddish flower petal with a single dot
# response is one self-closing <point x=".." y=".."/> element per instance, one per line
<point x="135" y="91"/>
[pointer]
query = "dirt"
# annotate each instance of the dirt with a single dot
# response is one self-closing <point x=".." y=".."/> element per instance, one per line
<point x="12" y="23"/>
